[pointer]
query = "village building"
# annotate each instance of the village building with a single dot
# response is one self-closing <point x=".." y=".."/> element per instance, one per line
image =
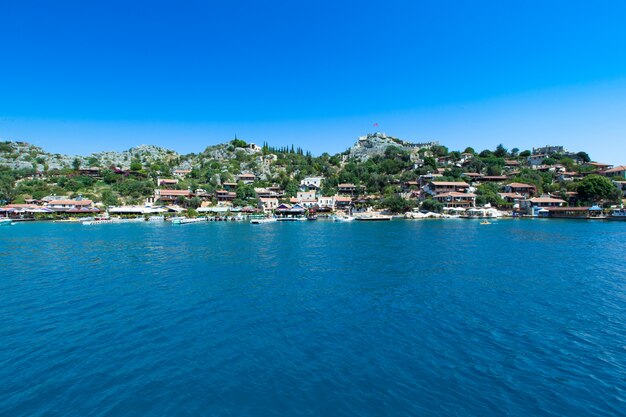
<point x="67" y="205"/>
<point x="342" y="202"/>
<point x="229" y="186"/>
<point x="440" y="187"/>
<point x="527" y="190"/>
<point x="312" y="183"/>
<point x="181" y="173"/>
<point x="347" y="189"/>
<point x="225" y="196"/>
<point x="513" y="198"/>
<point x="535" y="160"/>
<point x="534" y="205"/>
<point x="616" y="172"/>
<point x="93" y="172"/>
<point x="246" y="178"/>
<point x="167" y="182"/>
<point x="550" y="150"/>
<point x="268" y="205"/>
<point x="170" y="196"/>
<point x="326" y="203"/>
<point x="453" y="199"/>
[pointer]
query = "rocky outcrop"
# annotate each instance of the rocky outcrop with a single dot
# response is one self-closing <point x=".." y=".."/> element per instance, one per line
<point x="376" y="143"/>
<point x="22" y="155"/>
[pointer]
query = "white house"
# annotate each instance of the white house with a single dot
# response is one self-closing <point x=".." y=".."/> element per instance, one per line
<point x="312" y="182"/>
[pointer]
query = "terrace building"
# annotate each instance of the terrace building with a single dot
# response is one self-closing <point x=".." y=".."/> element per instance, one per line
<point x="246" y="178"/>
<point x="347" y="189"/>
<point x="526" y="190"/>
<point x="170" y="196"/>
<point x="455" y="199"/>
<point x="225" y="196"/>
<point x="440" y="187"/>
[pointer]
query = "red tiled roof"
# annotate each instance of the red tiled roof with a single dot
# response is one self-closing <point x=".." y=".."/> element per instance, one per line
<point x="449" y="183"/>
<point x="616" y="169"/>
<point x="71" y="202"/>
<point x="456" y="194"/>
<point x="173" y="192"/>
<point x="546" y="200"/>
<point x="520" y="185"/>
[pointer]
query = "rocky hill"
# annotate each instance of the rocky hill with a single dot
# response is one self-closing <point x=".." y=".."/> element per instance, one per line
<point x="22" y="155"/>
<point x="376" y="143"/>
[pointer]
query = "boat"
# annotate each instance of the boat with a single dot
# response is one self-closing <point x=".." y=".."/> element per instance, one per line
<point x="263" y="221"/>
<point x="311" y="218"/>
<point x="104" y="219"/>
<point x="156" y="218"/>
<point x="343" y="218"/>
<point x="189" y="221"/>
<point x="485" y="222"/>
<point x="291" y="219"/>
<point x="6" y="222"/>
<point x="373" y="217"/>
<point x="617" y="214"/>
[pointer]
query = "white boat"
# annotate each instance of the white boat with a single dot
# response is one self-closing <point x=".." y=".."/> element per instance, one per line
<point x="104" y="219"/>
<point x="263" y="221"/>
<point x="343" y="218"/>
<point x="617" y="214"/>
<point x="189" y="221"/>
<point x="373" y="217"/>
<point x="6" y="222"/>
<point x="156" y="218"/>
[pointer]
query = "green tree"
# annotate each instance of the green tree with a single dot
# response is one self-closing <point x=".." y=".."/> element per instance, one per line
<point x="501" y="151"/>
<point x="238" y="143"/>
<point x="76" y="164"/>
<point x="7" y="187"/>
<point x="397" y="204"/>
<point x="135" y="164"/>
<point x="108" y="198"/>
<point x="594" y="188"/>
<point x="469" y="149"/>
<point x="583" y="156"/>
<point x="432" y="205"/>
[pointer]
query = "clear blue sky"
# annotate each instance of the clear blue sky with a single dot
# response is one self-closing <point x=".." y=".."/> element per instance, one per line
<point x="81" y="76"/>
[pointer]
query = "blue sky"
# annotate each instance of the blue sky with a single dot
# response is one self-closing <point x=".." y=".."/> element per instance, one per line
<point x="78" y="77"/>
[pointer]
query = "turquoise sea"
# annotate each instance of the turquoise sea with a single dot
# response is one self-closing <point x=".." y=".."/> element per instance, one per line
<point x="400" y="318"/>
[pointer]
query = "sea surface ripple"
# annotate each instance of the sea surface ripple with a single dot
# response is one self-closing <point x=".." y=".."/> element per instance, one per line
<point x="402" y="318"/>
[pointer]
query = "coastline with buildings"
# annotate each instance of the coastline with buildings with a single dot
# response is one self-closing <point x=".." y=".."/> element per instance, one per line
<point x="387" y="177"/>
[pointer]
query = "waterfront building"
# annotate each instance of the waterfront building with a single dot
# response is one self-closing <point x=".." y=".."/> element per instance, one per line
<point x="268" y="205"/>
<point x="169" y="196"/>
<point x="342" y="202"/>
<point x="453" y="199"/>
<point x="326" y="203"/>
<point x="594" y="212"/>
<point x="225" y="196"/>
<point x="66" y="205"/>
<point x="534" y="205"/>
